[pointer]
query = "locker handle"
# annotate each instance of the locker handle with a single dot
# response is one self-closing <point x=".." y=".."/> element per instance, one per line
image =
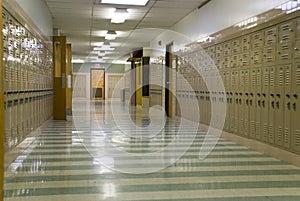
<point x="296" y="96"/>
<point x="264" y="95"/>
<point x="247" y="102"/>
<point x="272" y="95"/>
<point x="273" y="104"/>
<point x="263" y="103"/>
<point x="289" y="106"/>
<point x="251" y="102"/>
<point x="258" y="94"/>
<point x="277" y="105"/>
<point x="247" y="94"/>
<point x="278" y="95"/>
<point x="294" y="106"/>
<point x="251" y="94"/>
<point x="288" y="96"/>
<point x="259" y="103"/>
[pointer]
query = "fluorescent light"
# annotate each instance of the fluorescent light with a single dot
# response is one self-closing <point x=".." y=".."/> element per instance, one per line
<point x="126" y="2"/>
<point x="111" y="35"/>
<point x="119" y="16"/>
<point x="77" y="61"/>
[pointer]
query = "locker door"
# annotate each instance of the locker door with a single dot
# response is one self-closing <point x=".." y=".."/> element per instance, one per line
<point x="258" y="103"/>
<point x="241" y="105"/>
<point x="232" y="102"/>
<point x="246" y="43"/>
<point x="269" y="54"/>
<point x="295" y="114"/>
<point x="256" y="57"/>
<point x="246" y="103"/>
<point x="272" y="104"/>
<point x="271" y="36"/>
<point x="235" y="44"/>
<point x="235" y="61"/>
<point x="252" y="103"/>
<point x="297" y="50"/>
<point x="288" y="107"/>
<point x="286" y="32"/>
<point x="236" y="103"/>
<point x="227" y="49"/>
<point x="298" y="29"/>
<point x="265" y="105"/>
<point x="257" y="40"/>
<point x="229" y="99"/>
<point x="279" y="105"/>
<point x="244" y="59"/>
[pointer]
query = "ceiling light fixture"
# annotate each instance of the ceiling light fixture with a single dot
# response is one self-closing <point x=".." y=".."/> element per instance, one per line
<point x="127" y="2"/>
<point x="111" y="35"/>
<point x="120" y="16"/>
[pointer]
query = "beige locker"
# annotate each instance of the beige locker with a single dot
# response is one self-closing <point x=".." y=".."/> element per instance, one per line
<point x="236" y="47"/>
<point x="257" y="40"/>
<point x="219" y="50"/>
<point x="285" y="52"/>
<point x="295" y="114"/>
<point x="227" y="49"/>
<point x="288" y="107"/>
<point x="269" y="54"/>
<point x="235" y="61"/>
<point x="241" y="104"/>
<point x="14" y="123"/>
<point x="245" y="59"/>
<point x="246" y="103"/>
<point x="246" y="44"/>
<point x="298" y="28"/>
<point x="236" y="102"/>
<point x="286" y="32"/>
<point x="256" y="57"/>
<point x="272" y="105"/>
<point x="8" y="125"/>
<point x="226" y="63"/>
<point x="252" y="103"/>
<point x="297" y="50"/>
<point x="271" y="36"/>
<point x="279" y="105"/>
<point x="228" y="99"/>
<point x="232" y="102"/>
<point x="264" y="105"/>
<point x="258" y="103"/>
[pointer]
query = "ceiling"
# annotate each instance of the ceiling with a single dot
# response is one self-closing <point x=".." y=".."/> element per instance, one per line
<point x="85" y="23"/>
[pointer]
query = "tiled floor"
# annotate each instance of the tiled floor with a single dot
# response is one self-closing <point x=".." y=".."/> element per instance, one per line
<point x="70" y="161"/>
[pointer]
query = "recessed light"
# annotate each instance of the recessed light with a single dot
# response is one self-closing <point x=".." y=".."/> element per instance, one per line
<point x="126" y="2"/>
<point x="119" y="16"/>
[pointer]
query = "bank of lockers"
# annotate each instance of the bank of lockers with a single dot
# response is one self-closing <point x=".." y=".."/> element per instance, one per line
<point x="28" y="81"/>
<point x="261" y="75"/>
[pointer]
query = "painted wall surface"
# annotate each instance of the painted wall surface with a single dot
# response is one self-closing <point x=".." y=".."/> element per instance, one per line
<point x="39" y="13"/>
<point x="213" y="17"/>
<point x="110" y="68"/>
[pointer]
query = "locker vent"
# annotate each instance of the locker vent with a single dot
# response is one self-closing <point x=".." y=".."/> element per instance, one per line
<point x="297" y="137"/>
<point x="286" y="135"/>
<point x="280" y="134"/>
<point x="298" y="75"/>
<point x="265" y="130"/>
<point x="258" y="80"/>
<point x="271" y="132"/>
<point x="287" y="77"/>
<point x="266" y="79"/>
<point x="272" y="78"/>
<point x="281" y="78"/>
<point x="252" y="128"/>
